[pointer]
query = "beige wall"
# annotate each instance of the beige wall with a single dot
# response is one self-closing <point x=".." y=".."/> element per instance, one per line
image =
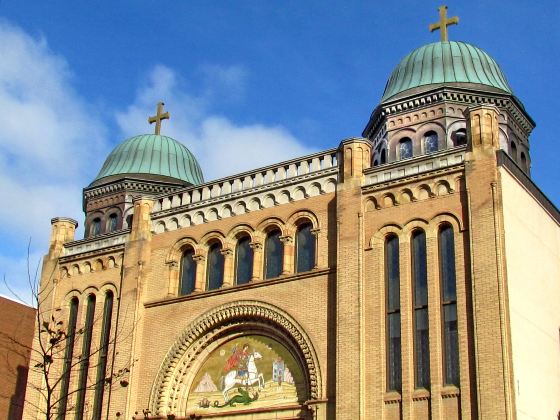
<point x="532" y="240"/>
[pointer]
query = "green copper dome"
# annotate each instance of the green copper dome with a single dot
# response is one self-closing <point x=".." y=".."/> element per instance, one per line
<point x="154" y="157"/>
<point x="445" y="62"/>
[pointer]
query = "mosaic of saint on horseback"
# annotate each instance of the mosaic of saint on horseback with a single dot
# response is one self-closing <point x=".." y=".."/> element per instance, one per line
<point x="247" y="372"/>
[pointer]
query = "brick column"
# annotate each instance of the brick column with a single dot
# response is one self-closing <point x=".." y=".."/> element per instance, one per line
<point x="289" y="254"/>
<point x="228" y="267"/>
<point x="257" y="261"/>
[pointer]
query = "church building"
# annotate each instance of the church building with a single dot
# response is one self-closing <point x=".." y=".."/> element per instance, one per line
<point x="411" y="273"/>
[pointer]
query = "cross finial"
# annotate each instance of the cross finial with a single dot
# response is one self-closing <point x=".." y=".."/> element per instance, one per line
<point x="160" y="115"/>
<point x="443" y="23"/>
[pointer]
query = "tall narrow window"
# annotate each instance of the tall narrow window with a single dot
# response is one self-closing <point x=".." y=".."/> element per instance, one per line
<point x="513" y="151"/>
<point x="383" y="157"/>
<point x="129" y="221"/>
<point x="84" y="364"/>
<point x="523" y="161"/>
<point x="420" y="302"/>
<point x="305" y="248"/>
<point x="393" y="308"/>
<point x="103" y="352"/>
<point x="68" y="355"/>
<point x="274" y="254"/>
<point x="405" y="148"/>
<point x="431" y="142"/>
<point x="449" y="305"/>
<point x="95" y="227"/>
<point x="243" y="261"/>
<point x="215" y="276"/>
<point x="188" y="272"/>
<point x="460" y="137"/>
<point x="112" y="222"/>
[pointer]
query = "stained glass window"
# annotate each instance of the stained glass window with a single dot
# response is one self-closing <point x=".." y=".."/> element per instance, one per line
<point x="274" y="254"/>
<point x="243" y="261"/>
<point x="449" y="305"/>
<point x="305" y="248"/>
<point x="420" y="295"/>
<point x="188" y="272"/>
<point x="215" y="268"/>
<point x="68" y="358"/>
<point x="85" y="356"/>
<point x="103" y="352"/>
<point x="113" y="220"/>
<point x="431" y="142"/>
<point x="405" y="148"/>
<point x="393" y="306"/>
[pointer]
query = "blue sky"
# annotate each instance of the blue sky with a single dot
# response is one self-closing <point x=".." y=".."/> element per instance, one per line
<point x="247" y="83"/>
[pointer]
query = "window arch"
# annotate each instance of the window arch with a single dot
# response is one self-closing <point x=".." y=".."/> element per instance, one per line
<point x="513" y="151"/>
<point x="85" y="356"/>
<point x="129" y="221"/>
<point x="243" y="260"/>
<point x="460" y="137"/>
<point x="274" y="254"/>
<point x="449" y="305"/>
<point x="188" y="272"/>
<point x="431" y="142"/>
<point x="68" y="358"/>
<point x="383" y="157"/>
<point x="215" y="267"/>
<point x="305" y="248"/>
<point x="112" y="222"/>
<point x="393" y="313"/>
<point x="523" y="161"/>
<point x="420" y="308"/>
<point x="103" y="353"/>
<point x="405" y="148"/>
<point x="95" y="227"/>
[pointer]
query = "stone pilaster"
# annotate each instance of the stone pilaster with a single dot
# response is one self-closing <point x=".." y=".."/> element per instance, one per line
<point x="257" y="261"/>
<point x="229" y="271"/>
<point x="289" y="254"/>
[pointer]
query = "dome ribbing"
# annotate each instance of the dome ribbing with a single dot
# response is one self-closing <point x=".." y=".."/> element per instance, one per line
<point x="445" y="62"/>
<point x="155" y="155"/>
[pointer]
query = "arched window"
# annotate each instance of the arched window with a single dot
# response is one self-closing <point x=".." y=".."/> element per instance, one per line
<point x="103" y="352"/>
<point x="188" y="272"/>
<point x="431" y="142"/>
<point x="129" y="221"/>
<point x="420" y="305"/>
<point x="375" y="162"/>
<point x="460" y="137"/>
<point x="274" y="254"/>
<point x="112" y="222"/>
<point x="95" y="227"/>
<point x="85" y="356"/>
<point x="405" y="148"/>
<point x="513" y="151"/>
<point x="383" y="157"/>
<point x="393" y="313"/>
<point x="305" y="248"/>
<point x="243" y="261"/>
<point x="68" y="358"/>
<point x="524" y="161"/>
<point x="215" y="267"/>
<point x="449" y="305"/>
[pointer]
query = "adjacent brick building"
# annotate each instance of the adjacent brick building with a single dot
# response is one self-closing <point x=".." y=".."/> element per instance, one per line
<point x="412" y="273"/>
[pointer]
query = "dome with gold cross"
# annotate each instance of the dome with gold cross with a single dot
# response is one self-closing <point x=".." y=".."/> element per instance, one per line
<point x="151" y="157"/>
<point x="449" y="63"/>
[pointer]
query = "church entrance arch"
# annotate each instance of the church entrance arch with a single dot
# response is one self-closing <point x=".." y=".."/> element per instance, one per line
<point x="244" y="355"/>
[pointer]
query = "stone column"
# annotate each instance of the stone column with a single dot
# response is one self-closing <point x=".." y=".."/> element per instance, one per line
<point x="258" y="261"/>
<point x="200" y="280"/>
<point x="289" y="253"/>
<point x="316" y="232"/>
<point x="173" y="285"/>
<point x="229" y="271"/>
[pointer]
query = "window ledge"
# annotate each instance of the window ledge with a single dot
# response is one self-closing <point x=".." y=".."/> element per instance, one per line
<point x="420" y="394"/>
<point x="450" y="391"/>
<point x="237" y="288"/>
<point x="392" y="397"/>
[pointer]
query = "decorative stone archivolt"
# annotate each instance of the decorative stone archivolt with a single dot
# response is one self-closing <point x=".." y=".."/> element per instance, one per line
<point x="171" y="386"/>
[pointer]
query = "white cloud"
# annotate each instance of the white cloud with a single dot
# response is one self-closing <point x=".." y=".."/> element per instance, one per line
<point x="46" y="131"/>
<point x="221" y="146"/>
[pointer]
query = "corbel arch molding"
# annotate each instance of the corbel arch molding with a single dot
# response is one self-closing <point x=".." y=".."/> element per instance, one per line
<point x="297" y="217"/>
<point x="211" y="237"/>
<point x="413" y="225"/>
<point x="378" y="237"/>
<point x="176" y="251"/>
<point x="238" y="231"/>
<point x="185" y="357"/>
<point x="270" y="223"/>
<point x="449" y="218"/>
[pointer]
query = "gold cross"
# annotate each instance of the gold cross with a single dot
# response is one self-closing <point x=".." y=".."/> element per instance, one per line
<point x="160" y="115"/>
<point x="443" y="23"/>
